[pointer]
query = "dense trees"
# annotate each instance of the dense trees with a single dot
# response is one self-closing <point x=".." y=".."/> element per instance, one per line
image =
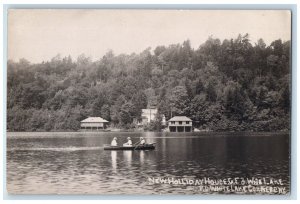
<point x="229" y="85"/>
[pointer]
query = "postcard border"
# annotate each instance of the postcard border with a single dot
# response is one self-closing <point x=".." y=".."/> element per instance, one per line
<point x="293" y="142"/>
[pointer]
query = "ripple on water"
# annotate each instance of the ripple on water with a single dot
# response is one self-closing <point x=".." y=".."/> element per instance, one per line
<point x="76" y="163"/>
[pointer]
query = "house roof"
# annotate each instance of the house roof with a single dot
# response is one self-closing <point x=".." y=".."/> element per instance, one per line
<point x="94" y="120"/>
<point x="148" y="110"/>
<point x="180" y="118"/>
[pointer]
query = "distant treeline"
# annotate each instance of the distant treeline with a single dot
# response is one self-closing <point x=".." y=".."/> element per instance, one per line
<point x="222" y="86"/>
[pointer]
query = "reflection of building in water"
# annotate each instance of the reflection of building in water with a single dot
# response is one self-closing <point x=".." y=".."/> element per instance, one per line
<point x="114" y="160"/>
<point x="180" y="124"/>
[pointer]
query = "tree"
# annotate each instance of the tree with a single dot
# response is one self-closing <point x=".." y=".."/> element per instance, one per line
<point x="105" y="112"/>
<point x="199" y="87"/>
<point x="126" y="113"/>
<point x="115" y="110"/>
<point x="83" y="61"/>
<point x="222" y="86"/>
<point x="178" y="100"/>
<point x="198" y="106"/>
<point x="151" y="97"/>
<point x="139" y="101"/>
<point x="211" y="92"/>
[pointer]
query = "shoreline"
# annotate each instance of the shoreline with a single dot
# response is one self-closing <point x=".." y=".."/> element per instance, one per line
<point x="138" y="132"/>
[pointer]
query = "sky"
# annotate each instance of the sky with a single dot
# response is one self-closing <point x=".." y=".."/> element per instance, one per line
<point x="40" y="34"/>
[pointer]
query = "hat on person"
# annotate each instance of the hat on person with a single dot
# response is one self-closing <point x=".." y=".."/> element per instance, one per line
<point x="115" y="138"/>
<point x="128" y="138"/>
<point x="141" y="138"/>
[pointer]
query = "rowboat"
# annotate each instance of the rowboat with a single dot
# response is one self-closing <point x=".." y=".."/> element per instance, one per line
<point x="137" y="147"/>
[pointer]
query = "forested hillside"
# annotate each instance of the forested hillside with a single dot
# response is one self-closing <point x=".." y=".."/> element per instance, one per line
<point x="231" y="85"/>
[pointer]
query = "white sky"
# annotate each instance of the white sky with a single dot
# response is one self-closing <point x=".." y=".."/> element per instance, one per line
<point x="38" y="35"/>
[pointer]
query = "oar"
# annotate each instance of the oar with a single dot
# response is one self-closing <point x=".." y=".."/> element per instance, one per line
<point x="137" y="145"/>
<point x="136" y="142"/>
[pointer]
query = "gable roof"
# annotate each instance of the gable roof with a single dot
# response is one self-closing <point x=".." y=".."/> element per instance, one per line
<point x="180" y="118"/>
<point x="94" y="120"/>
<point x="148" y="110"/>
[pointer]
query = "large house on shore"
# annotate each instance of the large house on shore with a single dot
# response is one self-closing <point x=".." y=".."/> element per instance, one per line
<point x="93" y="123"/>
<point x="148" y="115"/>
<point x="180" y="124"/>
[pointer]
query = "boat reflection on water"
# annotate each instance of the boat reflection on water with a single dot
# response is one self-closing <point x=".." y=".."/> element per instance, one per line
<point x="71" y="163"/>
<point x="114" y="160"/>
<point x="127" y="157"/>
<point x="142" y="157"/>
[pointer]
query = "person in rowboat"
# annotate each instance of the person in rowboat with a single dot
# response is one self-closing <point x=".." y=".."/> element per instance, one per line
<point x="128" y="143"/>
<point x="114" y="142"/>
<point x="142" y="141"/>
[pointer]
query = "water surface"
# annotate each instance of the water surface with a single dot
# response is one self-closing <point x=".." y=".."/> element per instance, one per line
<point x="75" y="163"/>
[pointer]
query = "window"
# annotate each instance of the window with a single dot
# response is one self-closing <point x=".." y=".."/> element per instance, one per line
<point x="180" y="122"/>
<point x="187" y="122"/>
<point x="173" y="122"/>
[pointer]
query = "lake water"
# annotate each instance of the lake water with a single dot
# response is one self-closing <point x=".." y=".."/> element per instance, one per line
<point x="75" y="163"/>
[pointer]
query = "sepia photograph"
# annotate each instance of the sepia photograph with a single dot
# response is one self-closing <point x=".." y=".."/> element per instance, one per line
<point x="148" y="102"/>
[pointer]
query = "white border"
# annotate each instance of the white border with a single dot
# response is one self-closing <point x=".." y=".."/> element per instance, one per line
<point x="2" y="94"/>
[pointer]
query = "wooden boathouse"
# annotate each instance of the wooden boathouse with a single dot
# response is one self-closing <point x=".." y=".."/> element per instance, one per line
<point x="93" y="123"/>
<point x="180" y="124"/>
